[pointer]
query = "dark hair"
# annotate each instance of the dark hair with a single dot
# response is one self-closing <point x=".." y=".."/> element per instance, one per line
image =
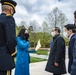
<point x="75" y="14"/>
<point x="74" y="30"/>
<point x="23" y="35"/>
<point x="70" y="27"/>
<point x="57" y="29"/>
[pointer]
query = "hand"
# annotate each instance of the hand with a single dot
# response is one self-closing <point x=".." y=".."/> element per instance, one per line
<point x="56" y="64"/>
<point x="27" y="42"/>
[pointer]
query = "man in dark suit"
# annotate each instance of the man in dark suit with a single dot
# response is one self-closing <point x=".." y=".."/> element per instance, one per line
<point x="7" y="37"/>
<point x="56" y="60"/>
<point x="73" y="67"/>
<point x="70" y="30"/>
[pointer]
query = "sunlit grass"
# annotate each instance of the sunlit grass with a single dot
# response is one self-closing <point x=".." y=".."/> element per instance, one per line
<point x="34" y="59"/>
<point x="42" y="52"/>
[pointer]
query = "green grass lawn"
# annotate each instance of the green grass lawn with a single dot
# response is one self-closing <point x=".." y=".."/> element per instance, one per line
<point x="34" y="59"/>
<point x="43" y="52"/>
<point x="40" y="52"/>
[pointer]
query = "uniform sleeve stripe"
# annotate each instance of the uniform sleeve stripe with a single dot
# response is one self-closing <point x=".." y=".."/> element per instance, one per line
<point x="13" y="54"/>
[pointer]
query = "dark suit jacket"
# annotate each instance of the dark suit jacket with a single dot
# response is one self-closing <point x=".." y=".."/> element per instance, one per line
<point x="73" y="67"/>
<point x="7" y="42"/>
<point x="70" y="51"/>
<point x="57" y="54"/>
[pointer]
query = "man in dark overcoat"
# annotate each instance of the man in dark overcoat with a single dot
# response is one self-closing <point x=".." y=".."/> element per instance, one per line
<point x="56" y="60"/>
<point x="7" y="37"/>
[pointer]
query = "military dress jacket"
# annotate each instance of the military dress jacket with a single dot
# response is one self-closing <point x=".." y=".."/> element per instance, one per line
<point x="7" y="42"/>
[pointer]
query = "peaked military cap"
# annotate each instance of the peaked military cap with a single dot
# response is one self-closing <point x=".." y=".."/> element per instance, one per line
<point x="10" y="3"/>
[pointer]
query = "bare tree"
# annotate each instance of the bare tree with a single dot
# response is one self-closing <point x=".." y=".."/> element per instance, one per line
<point x="45" y="27"/>
<point x="23" y="23"/>
<point x="56" y="18"/>
<point x="45" y="30"/>
<point x="34" y="28"/>
<point x="62" y="21"/>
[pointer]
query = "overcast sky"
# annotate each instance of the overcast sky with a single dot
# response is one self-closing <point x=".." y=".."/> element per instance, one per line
<point x="29" y="10"/>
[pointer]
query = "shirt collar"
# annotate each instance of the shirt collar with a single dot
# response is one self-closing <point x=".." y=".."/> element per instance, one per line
<point x="71" y="36"/>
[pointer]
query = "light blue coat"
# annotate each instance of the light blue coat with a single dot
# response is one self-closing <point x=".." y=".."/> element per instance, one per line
<point x="22" y="61"/>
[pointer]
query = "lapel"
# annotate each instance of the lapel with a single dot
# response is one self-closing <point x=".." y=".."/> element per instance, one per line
<point x="74" y="50"/>
<point x="70" y="41"/>
<point x="71" y="38"/>
<point x="56" y="39"/>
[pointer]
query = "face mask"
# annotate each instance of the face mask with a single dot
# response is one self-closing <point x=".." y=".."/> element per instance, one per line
<point x="53" y="34"/>
<point x="26" y="31"/>
<point x="65" y="34"/>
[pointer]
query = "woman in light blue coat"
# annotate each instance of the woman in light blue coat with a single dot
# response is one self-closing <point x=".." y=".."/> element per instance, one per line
<point x="23" y="59"/>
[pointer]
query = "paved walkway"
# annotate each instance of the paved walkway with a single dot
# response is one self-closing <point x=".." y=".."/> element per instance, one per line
<point x="39" y="68"/>
<point x="39" y="56"/>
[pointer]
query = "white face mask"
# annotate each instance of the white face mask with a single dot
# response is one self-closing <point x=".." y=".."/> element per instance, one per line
<point x="65" y="34"/>
<point x="53" y="34"/>
<point x="26" y="31"/>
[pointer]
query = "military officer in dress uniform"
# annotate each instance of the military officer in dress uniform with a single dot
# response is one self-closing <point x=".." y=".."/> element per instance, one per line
<point x="7" y="37"/>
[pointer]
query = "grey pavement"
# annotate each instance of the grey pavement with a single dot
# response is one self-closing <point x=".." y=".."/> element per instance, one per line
<point x="39" y="68"/>
<point x="39" y="56"/>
